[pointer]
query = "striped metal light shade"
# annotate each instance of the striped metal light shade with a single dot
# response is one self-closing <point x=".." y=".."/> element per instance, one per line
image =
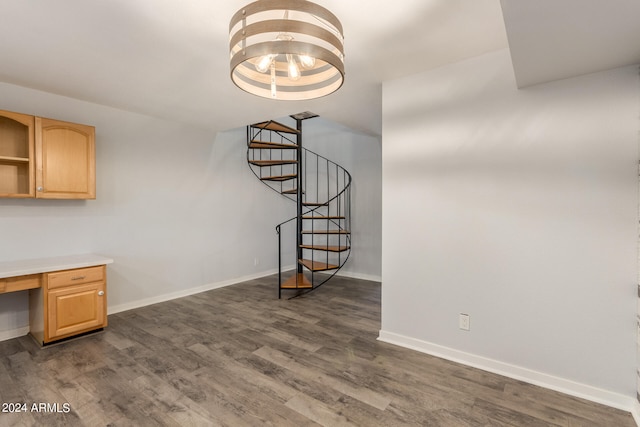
<point x="286" y="49"/>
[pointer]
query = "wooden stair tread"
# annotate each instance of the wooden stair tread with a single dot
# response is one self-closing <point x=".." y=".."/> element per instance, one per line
<point x="272" y="162"/>
<point x="325" y="232"/>
<point x="313" y="204"/>
<point x="317" y="266"/>
<point x="292" y="191"/>
<point x="279" y="177"/>
<point x="275" y="126"/>
<point x="271" y="146"/>
<point x="322" y="217"/>
<point x="297" y="281"/>
<point x="326" y="248"/>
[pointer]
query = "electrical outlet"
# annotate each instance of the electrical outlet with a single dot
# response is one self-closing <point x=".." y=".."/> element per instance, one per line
<point x="464" y="321"/>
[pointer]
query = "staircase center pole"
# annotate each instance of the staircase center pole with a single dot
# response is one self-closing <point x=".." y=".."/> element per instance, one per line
<point x="299" y="196"/>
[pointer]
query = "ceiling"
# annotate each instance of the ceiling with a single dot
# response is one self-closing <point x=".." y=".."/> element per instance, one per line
<point x="170" y="59"/>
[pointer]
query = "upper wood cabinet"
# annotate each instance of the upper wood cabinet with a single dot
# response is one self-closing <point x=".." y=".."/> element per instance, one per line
<point x="46" y="158"/>
<point x="16" y="155"/>
<point x="65" y="160"/>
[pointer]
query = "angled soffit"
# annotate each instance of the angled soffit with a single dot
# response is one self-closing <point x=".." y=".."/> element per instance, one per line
<point x="555" y="39"/>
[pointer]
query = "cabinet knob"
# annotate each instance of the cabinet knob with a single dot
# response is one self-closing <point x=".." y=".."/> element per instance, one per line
<point x="40" y="188"/>
<point x="100" y="293"/>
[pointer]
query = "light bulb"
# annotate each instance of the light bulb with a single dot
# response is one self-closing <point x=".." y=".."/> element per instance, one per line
<point x="294" y="70"/>
<point x="263" y="65"/>
<point x="307" y="61"/>
<point x="273" y="81"/>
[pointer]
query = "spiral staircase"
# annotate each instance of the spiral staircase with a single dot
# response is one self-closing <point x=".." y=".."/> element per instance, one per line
<point x="317" y="240"/>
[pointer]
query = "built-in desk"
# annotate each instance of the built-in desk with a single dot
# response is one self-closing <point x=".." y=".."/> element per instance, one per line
<point x="67" y="294"/>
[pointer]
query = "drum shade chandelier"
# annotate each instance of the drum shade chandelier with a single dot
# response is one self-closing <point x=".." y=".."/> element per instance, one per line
<point x="286" y="49"/>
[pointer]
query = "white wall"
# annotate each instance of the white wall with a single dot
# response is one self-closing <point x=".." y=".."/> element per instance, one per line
<point x="177" y="207"/>
<point x="518" y="207"/>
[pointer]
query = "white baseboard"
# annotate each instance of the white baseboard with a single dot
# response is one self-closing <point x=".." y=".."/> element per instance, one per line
<point x="14" y="333"/>
<point x="563" y="385"/>
<point x="635" y="412"/>
<point x="352" y="275"/>
<point x="360" y="276"/>
<point x="341" y="273"/>
<point x="208" y="287"/>
<point x="185" y="292"/>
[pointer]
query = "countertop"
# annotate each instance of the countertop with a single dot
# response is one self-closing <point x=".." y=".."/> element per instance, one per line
<point x="44" y="265"/>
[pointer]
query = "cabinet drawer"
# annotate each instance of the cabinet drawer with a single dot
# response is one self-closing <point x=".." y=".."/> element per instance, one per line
<point x="75" y="277"/>
<point x="20" y="283"/>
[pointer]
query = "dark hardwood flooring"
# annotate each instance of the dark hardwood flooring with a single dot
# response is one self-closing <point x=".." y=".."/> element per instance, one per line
<point x="238" y="356"/>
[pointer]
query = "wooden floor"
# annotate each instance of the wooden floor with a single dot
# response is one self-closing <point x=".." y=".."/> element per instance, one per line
<point x="238" y="356"/>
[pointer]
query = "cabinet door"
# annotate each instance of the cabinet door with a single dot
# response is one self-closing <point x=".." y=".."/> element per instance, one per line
<point x="16" y="155"/>
<point x="65" y="160"/>
<point x="76" y="309"/>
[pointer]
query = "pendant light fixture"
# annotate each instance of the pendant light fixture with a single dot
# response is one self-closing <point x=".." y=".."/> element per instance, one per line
<point x="286" y="49"/>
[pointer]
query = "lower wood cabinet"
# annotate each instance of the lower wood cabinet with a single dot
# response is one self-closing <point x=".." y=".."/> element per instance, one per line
<point x="69" y="303"/>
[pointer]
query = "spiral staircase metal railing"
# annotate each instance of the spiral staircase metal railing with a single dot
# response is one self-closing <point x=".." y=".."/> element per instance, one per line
<point x="321" y="190"/>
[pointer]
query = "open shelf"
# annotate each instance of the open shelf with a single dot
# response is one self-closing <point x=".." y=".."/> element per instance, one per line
<point x="16" y="155"/>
